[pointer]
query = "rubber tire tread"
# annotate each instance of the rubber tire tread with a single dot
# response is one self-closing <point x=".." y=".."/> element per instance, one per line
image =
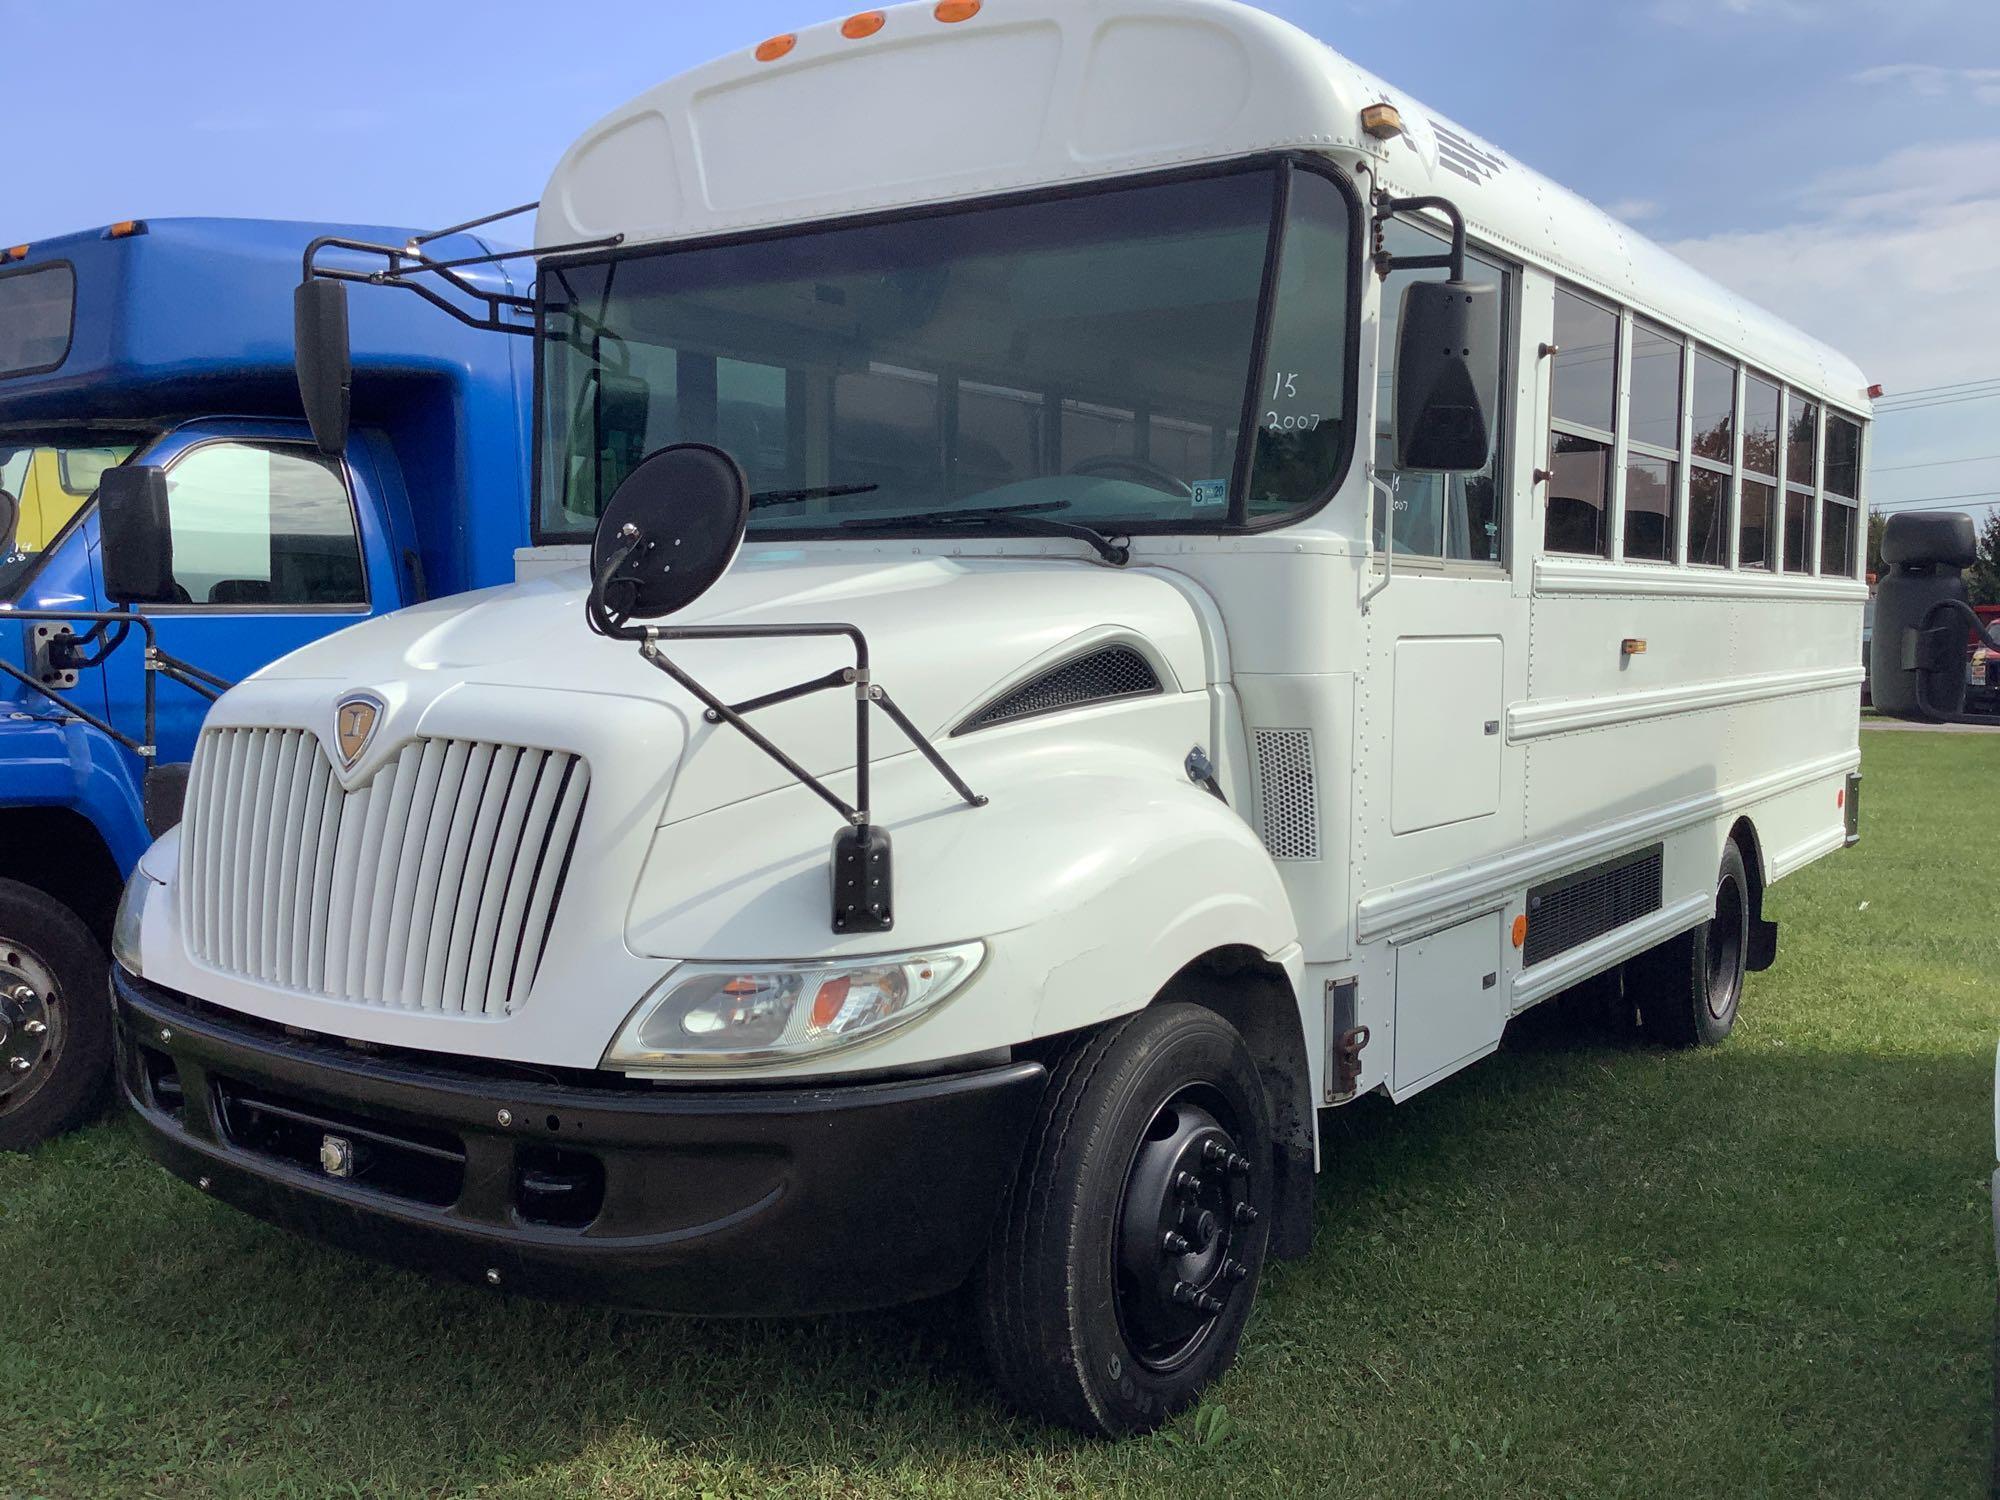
<point x="59" y="938"/>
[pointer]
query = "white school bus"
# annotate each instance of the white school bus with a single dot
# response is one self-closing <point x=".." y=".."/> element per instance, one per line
<point x="1318" y="589"/>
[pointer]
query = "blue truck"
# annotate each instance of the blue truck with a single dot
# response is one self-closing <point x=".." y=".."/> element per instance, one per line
<point x="169" y="344"/>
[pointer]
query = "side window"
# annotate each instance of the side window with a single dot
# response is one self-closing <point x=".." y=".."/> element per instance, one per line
<point x="1842" y="500"/>
<point x="263" y="526"/>
<point x="1302" y="404"/>
<point x="1712" y="462"/>
<point x="1801" y="444"/>
<point x="1583" y="406"/>
<point x="1454" y="516"/>
<point x="1653" y="445"/>
<point x="1760" y="472"/>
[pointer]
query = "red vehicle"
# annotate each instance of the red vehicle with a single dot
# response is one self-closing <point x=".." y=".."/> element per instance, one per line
<point x="1982" y="664"/>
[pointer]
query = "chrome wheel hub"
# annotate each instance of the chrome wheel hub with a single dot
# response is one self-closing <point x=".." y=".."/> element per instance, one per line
<point x="1186" y="1215"/>
<point x="30" y="1023"/>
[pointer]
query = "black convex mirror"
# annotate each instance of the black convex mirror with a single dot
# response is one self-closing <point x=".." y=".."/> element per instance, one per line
<point x="325" y="364"/>
<point x="670" y="531"/>
<point x="1925" y="554"/>
<point x="1447" y="365"/>
<point x="136" y="541"/>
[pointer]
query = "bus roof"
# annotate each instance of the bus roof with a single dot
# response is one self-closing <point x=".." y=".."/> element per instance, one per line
<point x="186" y="317"/>
<point x="1047" y="93"/>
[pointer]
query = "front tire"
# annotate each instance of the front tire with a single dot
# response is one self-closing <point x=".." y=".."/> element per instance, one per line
<point x="1127" y="1253"/>
<point x="55" y="1019"/>
<point x="1689" y="988"/>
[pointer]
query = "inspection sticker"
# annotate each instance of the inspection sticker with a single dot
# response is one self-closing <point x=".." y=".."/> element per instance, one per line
<point x="1210" y="493"/>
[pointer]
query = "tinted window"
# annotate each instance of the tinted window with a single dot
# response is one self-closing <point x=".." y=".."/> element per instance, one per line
<point x="1759" y="501"/>
<point x="1708" y="517"/>
<point x="262" y="526"/>
<point x="35" y="312"/>
<point x="1579" y="495"/>
<point x="1649" y="509"/>
<point x="1843" y="456"/>
<point x="1760" y="426"/>
<point x="1656" y="389"/>
<point x="1437" y="515"/>
<point x="1586" y="362"/>
<point x="1836" y="539"/>
<point x="1714" y="409"/>
<point x="1801" y="429"/>
<point x="1304" y="393"/>
<point x="1798" y="515"/>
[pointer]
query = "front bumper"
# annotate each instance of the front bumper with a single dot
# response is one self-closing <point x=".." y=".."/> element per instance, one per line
<point x="724" y="1201"/>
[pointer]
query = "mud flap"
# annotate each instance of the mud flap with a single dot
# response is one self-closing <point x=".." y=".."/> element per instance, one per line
<point x="1763" y="945"/>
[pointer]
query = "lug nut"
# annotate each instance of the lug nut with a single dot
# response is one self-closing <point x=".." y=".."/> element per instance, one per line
<point x="1236" y="1271"/>
<point x="1177" y="1243"/>
<point x="506" y="1118"/>
<point x="35" y="1028"/>
<point x="22" y="995"/>
<point x="493" y="1276"/>
<point x="202" y="1183"/>
<point x="1184" y="1294"/>
<point x="1239" y="1164"/>
<point x="1212" y="1151"/>
<point x="19" y="1064"/>
<point x="1245" y="1214"/>
<point x="1188" y="1185"/>
<point x="166" y="1035"/>
<point x="1209" y="1304"/>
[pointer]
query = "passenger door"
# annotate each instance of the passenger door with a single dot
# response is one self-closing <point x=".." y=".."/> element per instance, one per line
<point x="274" y="545"/>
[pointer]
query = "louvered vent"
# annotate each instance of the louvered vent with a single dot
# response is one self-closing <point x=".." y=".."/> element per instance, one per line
<point x="1286" y="793"/>
<point x="1564" y="914"/>
<point x="433" y="887"/>
<point x="1099" y="677"/>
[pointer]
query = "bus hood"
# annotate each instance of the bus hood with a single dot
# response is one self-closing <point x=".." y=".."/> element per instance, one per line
<point x="947" y="635"/>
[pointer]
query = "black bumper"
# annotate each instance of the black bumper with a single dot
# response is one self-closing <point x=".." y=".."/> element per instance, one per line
<point x="717" y="1201"/>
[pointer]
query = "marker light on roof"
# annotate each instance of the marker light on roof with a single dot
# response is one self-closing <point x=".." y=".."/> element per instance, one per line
<point x="1383" y="121"/>
<point x="17" y="252"/>
<point x="957" y="10"/>
<point x="123" y="229"/>
<point x="866" y="23"/>
<point x="776" y="47"/>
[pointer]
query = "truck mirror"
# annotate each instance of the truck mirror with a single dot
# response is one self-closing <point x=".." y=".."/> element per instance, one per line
<point x="1916" y="666"/>
<point x="136" y="541"/>
<point x="325" y="365"/>
<point x="1447" y="362"/>
<point x="671" y="530"/>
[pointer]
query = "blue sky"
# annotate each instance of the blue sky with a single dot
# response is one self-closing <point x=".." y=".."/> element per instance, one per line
<point x="1837" y="160"/>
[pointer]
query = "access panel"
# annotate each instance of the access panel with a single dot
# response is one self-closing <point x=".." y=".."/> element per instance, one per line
<point x="1445" y="758"/>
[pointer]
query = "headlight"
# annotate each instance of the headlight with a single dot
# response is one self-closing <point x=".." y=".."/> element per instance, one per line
<point x="707" y="1014"/>
<point x="131" y="913"/>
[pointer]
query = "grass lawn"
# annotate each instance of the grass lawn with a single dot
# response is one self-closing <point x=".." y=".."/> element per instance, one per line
<point x="1586" y="1267"/>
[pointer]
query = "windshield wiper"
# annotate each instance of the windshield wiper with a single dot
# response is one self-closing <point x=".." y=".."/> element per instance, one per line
<point x="1023" y="519"/>
<point x="817" y="492"/>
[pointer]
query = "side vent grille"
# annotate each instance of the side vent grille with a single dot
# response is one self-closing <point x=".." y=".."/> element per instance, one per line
<point x="1566" y="913"/>
<point x="1099" y="677"/>
<point x="1286" y="793"/>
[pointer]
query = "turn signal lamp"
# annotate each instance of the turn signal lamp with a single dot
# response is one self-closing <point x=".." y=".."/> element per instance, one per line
<point x="16" y="252"/>
<point x="1383" y="121"/>
<point x="1520" y="931"/>
<point x="865" y="23"/>
<point x="957" y="10"/>
<point x="776" y="47"/>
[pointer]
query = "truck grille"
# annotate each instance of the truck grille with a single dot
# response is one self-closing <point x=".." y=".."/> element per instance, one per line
<point x="433" y="887"/>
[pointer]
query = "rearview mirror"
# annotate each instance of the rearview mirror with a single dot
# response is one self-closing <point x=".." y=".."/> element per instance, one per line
<point x="1916" y="667"/>
<point x="136" y="542"/>
<point x="1447" y="363"/>
<point x="669" y="532"/>
<point x="325" y="365"/>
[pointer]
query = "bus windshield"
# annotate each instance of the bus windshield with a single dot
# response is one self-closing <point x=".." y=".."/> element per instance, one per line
<point x="44" y="483"/>
<point x="1088" y="355"/>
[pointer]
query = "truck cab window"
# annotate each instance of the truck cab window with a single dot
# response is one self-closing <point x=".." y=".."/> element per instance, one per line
<point x="262" y="526"/>
<point x="1452" y="516"/>
<point x="44" y="484"/>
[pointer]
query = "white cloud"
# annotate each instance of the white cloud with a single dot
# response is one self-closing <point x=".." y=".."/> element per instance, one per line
<point x="1899" y="278"/>
<point x="1634" y="210"/>
<point x="1933" y="81"/>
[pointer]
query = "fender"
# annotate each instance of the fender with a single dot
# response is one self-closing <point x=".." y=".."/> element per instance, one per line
<point x="69" y="764"/>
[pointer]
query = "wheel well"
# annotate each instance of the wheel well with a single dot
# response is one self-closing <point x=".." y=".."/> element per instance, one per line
<point x="1255" y="996"/>
<point x="59" y="851"/>
<point x="1763" y="933"/>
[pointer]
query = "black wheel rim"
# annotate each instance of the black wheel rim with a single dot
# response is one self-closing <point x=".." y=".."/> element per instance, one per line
<point x="1725" y="950"/>
<point x="1183" y="1224"/>
<point x="31" y="1028"/>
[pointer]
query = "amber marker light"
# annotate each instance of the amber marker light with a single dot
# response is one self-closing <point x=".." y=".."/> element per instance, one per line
<point x="866" y="23"/>
<point x="17" y="252"/>
<point x="957" y="10"/>
<point x="124" y="229"/>
<point x="1520" y="931"/>
<point x="776" y="47"/>
<point x="1383" y="121"/>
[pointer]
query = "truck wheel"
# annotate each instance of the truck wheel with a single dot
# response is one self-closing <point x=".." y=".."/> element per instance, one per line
<point x="55" y="1019"/>
<point x="1127" y="1252"/>
<point x="1688" y="988"/>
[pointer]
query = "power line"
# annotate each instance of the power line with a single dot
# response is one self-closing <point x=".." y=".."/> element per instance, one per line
<point x="1928" y="405"/>
<point x="1937" y="463"/>
<point x="1927" y="390"/>
<point x="1924" y="502"/>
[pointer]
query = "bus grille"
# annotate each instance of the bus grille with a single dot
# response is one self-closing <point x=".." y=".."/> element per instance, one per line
<point x="433" y="887"/>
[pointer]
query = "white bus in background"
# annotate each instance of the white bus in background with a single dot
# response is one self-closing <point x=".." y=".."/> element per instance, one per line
<point x="1059" y="342"/>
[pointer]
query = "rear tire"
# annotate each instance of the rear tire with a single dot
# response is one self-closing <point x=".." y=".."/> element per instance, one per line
<point x="55" y="1017"/>
<point x="1127" y="1252"/>
<point x="1689" y="988"/>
